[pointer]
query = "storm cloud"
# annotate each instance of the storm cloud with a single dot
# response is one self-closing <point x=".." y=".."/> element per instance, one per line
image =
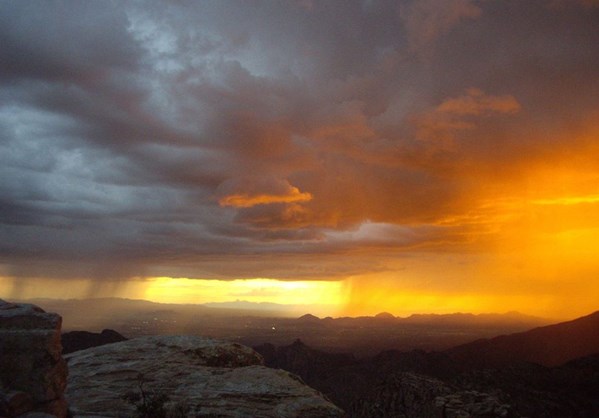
<point x="290" y="140"/>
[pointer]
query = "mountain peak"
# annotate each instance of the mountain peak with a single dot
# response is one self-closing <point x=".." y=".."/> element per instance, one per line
<point x="308" y="318"/>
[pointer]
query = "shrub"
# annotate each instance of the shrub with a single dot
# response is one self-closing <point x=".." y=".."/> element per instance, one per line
<point x="148" y="404"/>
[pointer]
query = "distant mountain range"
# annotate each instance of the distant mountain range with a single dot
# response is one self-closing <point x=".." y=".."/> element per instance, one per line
<point x="363" y="336"/>
<point x="242" y="307"/>
<point x="126" y="305"/>
<point x="270" y="307"/>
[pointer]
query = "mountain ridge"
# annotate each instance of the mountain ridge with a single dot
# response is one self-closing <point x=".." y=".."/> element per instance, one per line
<point x="550" y="345"/>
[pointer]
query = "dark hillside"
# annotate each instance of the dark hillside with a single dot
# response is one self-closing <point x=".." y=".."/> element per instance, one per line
<point x="551" y="345"/>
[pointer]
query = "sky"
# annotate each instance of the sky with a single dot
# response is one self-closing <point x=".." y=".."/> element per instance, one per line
<point x="360" y="156"/>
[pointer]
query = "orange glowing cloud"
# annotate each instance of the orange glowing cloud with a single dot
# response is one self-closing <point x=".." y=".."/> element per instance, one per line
<point x="249" y="192"/>
<point x="440" y="125"/>
<point x="246" y="200"/>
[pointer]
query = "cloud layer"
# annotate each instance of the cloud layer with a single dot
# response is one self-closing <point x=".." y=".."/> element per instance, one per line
<point x="289" y="140"/>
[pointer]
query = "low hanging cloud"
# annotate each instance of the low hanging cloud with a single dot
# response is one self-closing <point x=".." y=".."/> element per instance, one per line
<point x="251" y="191"/>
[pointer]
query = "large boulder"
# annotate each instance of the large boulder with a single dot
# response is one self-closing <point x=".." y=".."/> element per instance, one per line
<point x="33" y="374"/>
<point x="193" y="376"/>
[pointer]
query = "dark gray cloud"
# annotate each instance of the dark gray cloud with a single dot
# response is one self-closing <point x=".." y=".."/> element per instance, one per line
<point x="240" y="139"/>
<point x="64" y="41"/>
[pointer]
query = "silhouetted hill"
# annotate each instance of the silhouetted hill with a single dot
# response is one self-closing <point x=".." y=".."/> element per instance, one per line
<point x="80" y="340"/>
<point x="384" y="315"/>
<point x="309" y="319"/>
<point x="551" y="345"/>
<point x="306" y="362"/>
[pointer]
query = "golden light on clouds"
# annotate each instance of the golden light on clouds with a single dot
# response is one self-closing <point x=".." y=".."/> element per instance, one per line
<point x="246" y="200"/>
<point x="527" y="244"/>
<point x="249" y="191"/>
<point x="447" y="162"/>
<point x="569" y="200"/>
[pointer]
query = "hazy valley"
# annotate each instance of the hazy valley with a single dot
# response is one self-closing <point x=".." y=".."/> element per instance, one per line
<point x="361" y="336"/>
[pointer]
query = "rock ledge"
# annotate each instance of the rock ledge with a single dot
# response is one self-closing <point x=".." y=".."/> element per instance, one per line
<point x="212" y="378"/>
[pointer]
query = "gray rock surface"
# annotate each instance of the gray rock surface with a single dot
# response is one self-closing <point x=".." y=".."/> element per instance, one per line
<point x="33" y="374"/>
<point x="200" y="376"/>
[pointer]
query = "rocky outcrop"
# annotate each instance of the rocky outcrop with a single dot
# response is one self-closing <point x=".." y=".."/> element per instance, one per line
<point x="80" y="340"/>
<point x="415" y="396"/>
<point x="200" y="377"/>
<point x="33" y="374"/>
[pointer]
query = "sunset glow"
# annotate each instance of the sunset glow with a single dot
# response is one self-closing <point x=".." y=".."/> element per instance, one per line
<point x="361" y="156"/>
<point x="329" y="295"/>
